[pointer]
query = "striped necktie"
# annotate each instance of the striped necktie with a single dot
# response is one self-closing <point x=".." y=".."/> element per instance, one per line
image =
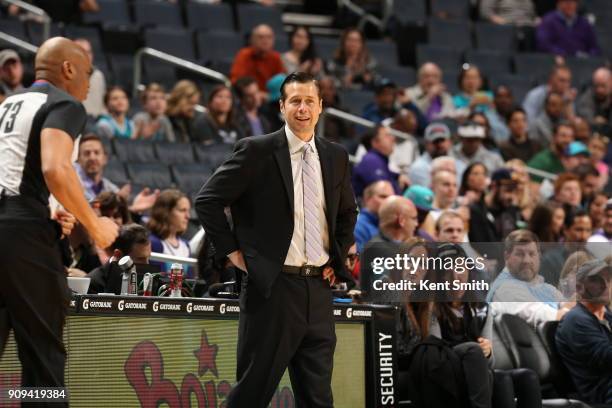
<point x="312" y="231"/>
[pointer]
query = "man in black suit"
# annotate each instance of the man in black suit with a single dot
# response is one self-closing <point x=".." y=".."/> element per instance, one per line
<point x="293" y="212"/>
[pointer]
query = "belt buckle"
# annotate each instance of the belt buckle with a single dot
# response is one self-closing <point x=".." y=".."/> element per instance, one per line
<point x="307" y="270"/>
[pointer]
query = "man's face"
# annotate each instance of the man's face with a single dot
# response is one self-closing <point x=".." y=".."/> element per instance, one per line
<point x="438" y="147"/>
<point x="596" y="289"/>
<point x="141" y="253"/>
<point x="384" y="142"/>
<point x="506" y="195"/>
<point x="470" y="145"/>
<point x="580" y="230"/>
<point x="518" y="124"/>
<point x="385" y="99"/>
<point x="263" y="39"/>
<point x="328" y="91"/>
<point x="590" y="185"/>
<point x="554" y="106"/>
<point x="561" y="81"/>
<point x="445" y="188"/>
<point x="568" y="7"/>
<point x="92" y="158"/>
<point x="250" y="97"/>
<point x="523" y="261"/>
<point x="563" y="137"/>
<point x="602" y="84"/>
<point x="156" y="103"/>
<point x="383" y="190"/>
<point x="12" y="73"/>
<point x="451" y="230"/>
<point x="430" y="76"/>
<point x="503" y="99"/>
<point x="301" y="107"/>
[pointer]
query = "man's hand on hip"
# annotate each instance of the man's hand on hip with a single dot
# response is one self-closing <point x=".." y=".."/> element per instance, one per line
<point x="238" y="260"/>
<point x="328" y="274"/>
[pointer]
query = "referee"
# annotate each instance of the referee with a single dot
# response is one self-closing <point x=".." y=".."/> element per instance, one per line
<point x="38" y="126"/>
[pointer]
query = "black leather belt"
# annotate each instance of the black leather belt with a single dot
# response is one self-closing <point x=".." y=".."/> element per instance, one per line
<point x="306" y="270"/>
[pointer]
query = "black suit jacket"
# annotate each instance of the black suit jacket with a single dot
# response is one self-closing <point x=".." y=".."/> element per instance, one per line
<point x="256" y="182"/>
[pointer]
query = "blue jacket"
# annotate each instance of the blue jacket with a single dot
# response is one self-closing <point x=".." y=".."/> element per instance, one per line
<point x="585" y="346"/>
<point x="366" y="228"/>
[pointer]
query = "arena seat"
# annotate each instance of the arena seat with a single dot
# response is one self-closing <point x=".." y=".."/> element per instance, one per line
<point x="401" y="76"/>
<point x="490" y="62"/>
<point x="213" y="155"/>
<point x="115" y="172"/>
<point x="582" y="69"/>
<point x="250" y="15"/>
<point x="455" y="34"/>
<point x="385" y="52"/>
<point x="157" y="13"/>
<point x="35" y="31"/>
<point x="534" y="64"/>
<point x="174" y="153"/>
<point x="232" y="43"/>
<point x="326" y="47"/>
<point x="447" y="58"/>
<point x="494" y="36"/>
<point x="191" y="177"/>
<point x="410" y="11"/>
<point x="209" y="17"/>
<point x="356" y="100"/>
<point x="12" y="27"/>
<point x="122" y="67"/>
<point x="451" y="9"/>
<point x="559" y="373"/>
<point x="152" y="175"/>
<point x="111" y="11"/>
<point x="175" y="41"/>
<point x="134" y="151"/>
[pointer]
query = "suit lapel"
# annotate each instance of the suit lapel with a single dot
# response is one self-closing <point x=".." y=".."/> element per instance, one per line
<point x="327" y="171"/>
<point x="283" y="159"/>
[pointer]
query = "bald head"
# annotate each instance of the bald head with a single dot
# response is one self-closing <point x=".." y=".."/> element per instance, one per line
<point x="65" y="64"/>
<point x="429" y="75"/>
<point x="398" y="217"/>
<point x="262" y="38"/>
<point x="602" y="83"/>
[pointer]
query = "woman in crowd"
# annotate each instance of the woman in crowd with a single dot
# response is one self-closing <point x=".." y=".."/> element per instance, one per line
<point x="353" y="66"/>
<point x="474" y="183"/>
<point x="597" y="209"/>
<point x="116" y="123"/>
<point x="152" y="123"/>
<point x="186" y="120"/>
<point x="219" y="121"/>
<point x="547" y="221"/>
<point x="472" y="95"/>
<point x="302" y="55"/>
<point x="169" y="220"/>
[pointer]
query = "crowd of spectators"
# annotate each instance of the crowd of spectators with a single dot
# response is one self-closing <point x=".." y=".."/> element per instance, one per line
<point x="525" y="183"/>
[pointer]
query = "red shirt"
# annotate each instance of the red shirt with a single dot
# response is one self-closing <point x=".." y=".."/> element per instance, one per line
<point x="261" y="67"/>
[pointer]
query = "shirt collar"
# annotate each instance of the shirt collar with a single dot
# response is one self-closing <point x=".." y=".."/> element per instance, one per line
<point x="296" y="144"/>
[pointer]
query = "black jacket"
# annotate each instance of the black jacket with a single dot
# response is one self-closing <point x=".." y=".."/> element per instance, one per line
<point x="256" y="183"/>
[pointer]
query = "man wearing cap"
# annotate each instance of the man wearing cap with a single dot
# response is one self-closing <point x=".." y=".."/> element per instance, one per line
<point x="422" y="198"/>
<point x="584" y="336"/>
<point x="575" y="154"/>
<point x="437" y="144"/>
<point x="366" y="226"/>
<point x="471" y="150"/>
<point x="11" y="72"/>
<point x="549" y="160"/>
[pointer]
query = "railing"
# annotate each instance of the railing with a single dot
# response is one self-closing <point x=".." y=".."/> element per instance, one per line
<point x="46" y="20"/>
<point x="176" y="61"/>
<point x="541" y="173"/>
<point x="365" y="17"/>
<point x="24" y="45"/>
<point x="155" y="256"/>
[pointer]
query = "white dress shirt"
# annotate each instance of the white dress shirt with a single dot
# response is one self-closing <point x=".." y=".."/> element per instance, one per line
<point x="296" y="256"/>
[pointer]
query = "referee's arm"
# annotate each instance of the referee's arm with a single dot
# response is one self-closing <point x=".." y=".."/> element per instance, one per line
<point x="61" y="179"/>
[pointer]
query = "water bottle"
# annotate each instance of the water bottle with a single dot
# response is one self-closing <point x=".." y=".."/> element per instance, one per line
<point x="176" y="280"/>
<point x="129" y="280"/>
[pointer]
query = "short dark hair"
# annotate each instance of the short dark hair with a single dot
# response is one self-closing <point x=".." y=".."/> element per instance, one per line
<point x="585" y="169"/>
<point x="520" y="237"/>
<point x="561" y="124"/>
<point x="571" y="214"/>
<point x="241" y="83"/>
<point x="550" y="95"/>
<point x="130" y="235"/>
<point x="88" y="138"/>
<point x="301" y="78"/>
<point x="515" y="111"/>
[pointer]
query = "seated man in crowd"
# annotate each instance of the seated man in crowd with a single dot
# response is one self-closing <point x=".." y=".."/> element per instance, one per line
<point x="549" y="160"/>
<point x="375" y="164"/>
<point x="471" y="148"/>
<point x="541" y="129"/>
<point x="559" y="81"/>
<point x="133" y="241"/>
<point x="519" y="289"/>
<point x="520" y="145"/>
<point x="584" y="336"/>
<point x="249" y="118"/>
<point x="599" y="243"/>
<point x="259" y="60"/>
<point x="595" y="104"/>
<point x="11" y="72"/>
<point x="430" y="94"/>
<point x="366" y="226"/>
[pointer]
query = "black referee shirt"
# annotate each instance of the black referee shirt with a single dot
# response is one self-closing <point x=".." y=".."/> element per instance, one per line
<point x="23" y="116"/>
